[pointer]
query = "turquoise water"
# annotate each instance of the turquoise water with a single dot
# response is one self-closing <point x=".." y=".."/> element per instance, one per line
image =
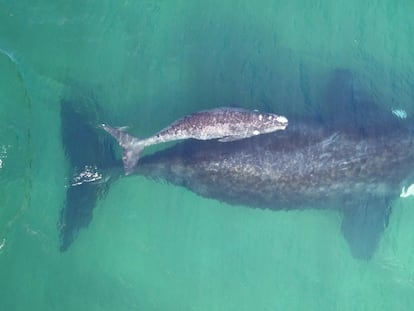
<point x="153" y="246"/>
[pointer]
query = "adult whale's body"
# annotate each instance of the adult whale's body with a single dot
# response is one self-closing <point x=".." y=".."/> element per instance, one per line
<point x="354" y="162"/>
<point x="308" y="165"/>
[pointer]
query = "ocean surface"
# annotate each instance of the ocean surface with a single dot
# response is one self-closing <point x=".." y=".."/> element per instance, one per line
<point x="154" y="246"/>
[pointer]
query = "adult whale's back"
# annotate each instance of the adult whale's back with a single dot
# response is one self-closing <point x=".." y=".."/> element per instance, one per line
<point x="307" y="164"/>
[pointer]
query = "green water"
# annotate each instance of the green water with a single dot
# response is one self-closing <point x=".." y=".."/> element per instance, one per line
<point x="154" y="246"/>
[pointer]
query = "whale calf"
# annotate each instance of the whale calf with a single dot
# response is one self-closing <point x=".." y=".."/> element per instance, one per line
<point x="352" y="157"/>
<point x="225" y="124"/>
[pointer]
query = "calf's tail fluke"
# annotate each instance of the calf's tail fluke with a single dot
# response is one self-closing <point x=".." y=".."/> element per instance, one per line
<point x="131" y="147"/>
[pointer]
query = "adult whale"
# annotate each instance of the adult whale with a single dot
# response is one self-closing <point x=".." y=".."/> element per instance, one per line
<point x="353" y="158"/>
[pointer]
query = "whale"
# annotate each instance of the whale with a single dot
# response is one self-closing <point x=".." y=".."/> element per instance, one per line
<point x="353" y="157"/>
<point x="85" y="150"/>
<point x="224" y="124"/>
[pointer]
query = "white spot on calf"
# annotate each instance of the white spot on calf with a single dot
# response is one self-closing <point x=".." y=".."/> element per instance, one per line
<point x="281" y="119"/>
